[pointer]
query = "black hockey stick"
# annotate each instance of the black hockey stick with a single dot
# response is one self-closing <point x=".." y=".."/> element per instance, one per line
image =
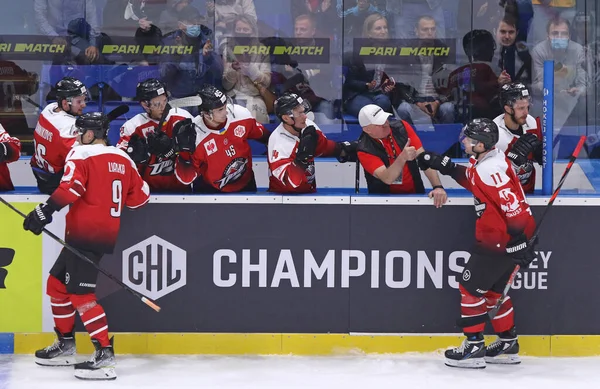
<point x="471" y="321"/>
<point x="72" y="249"/>
<point x="357" y="178"/>
<point x="118" y="111"/>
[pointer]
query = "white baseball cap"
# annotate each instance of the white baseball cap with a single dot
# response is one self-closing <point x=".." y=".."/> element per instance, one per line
<point x="372" y="114"/>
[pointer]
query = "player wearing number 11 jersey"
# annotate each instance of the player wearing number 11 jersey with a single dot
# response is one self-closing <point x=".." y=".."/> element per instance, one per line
<point x="98" y="181"/>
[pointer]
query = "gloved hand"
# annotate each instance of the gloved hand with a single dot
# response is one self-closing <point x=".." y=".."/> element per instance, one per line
<point x="520" y="250"/>
<point x="307" y="146"/>
<point x="3" y="152"/>
<point x="137" y="149"/>
<point x="347" y="151"/>
<point x="526" y="144"/>
<point x="184" y="136"/>
<point x="430" y="160"/>
<point x="37" y="219"/>
<point x="160" y="144"/>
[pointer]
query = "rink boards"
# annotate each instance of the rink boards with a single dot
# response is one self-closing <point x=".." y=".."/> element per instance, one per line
<point x="306" y="275"/>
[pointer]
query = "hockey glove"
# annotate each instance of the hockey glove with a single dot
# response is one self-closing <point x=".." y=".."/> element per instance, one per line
<point x="347" y="151"/>
<point x="3" y="152"/>
<point x="521" y="252"/>
<point x="160" y="144"/>
<point x="184" y="136"/>
<point x="307" y="146"/>
<point x="430" y="160"/>
<point x="137" y="149"/>
<point x="526" y="144"/>
<point x="38" y="218"/>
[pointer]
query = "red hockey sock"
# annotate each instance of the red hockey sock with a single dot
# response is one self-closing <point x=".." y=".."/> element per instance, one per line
<point x="472" y="306"/>
<point x="62" y="308"/>
<point x="93" y="317"/>
<point x="505" y="318"/>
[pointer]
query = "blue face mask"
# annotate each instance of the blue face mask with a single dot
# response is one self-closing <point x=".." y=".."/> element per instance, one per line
<point x="192" y="31"/>
<point x="559" y="43"/>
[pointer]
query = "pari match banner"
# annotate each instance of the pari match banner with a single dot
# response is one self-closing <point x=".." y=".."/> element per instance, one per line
<point x="403" y="51"/>
<point x="131" y="49"/>
<point x="34" y="47"/>
<point x="334" y="268"/>
<point x="312" y="51"/>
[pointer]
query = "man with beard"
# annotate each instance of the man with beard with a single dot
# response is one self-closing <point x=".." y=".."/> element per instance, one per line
<point x="214" y="153"/>
<point x="519" y="133"/>
<point x="152" y="151"/>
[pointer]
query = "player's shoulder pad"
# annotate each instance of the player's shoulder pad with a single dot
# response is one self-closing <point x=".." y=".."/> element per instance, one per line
<point x="180" y="112"/>
<point x="492" y="169"/>
<point x="311" y="123"/>
<point x="281" y="144"/>
<point x="129" y="127"/>
<point x="530" y="124"/>
<point x="237" y="112"/>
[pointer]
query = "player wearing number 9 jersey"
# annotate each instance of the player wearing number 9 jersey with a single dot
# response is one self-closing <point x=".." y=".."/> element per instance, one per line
<point x="98" y="181"/>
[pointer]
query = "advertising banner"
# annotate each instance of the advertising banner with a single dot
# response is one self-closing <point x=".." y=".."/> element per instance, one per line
<point x="307" y="268"/>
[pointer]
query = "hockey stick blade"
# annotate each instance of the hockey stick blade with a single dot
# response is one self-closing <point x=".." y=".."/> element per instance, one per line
<point x="491" y="314"/>
<point x="118" y="111"/>
<point x="72" y="249"/>
<point x="191" y="101"/>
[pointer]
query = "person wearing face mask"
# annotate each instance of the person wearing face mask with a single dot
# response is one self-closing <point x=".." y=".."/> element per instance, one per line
<point x="184" y="74"/>
<point x="387" y="152"/>
<point x="571" y="69"/>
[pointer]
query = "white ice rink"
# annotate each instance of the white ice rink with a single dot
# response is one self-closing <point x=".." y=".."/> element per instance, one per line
<point x="367" y="372"/>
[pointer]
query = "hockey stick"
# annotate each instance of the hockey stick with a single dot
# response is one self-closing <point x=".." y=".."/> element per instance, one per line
<point x="357" y="178"/>
<point x="118" y="111"/>
<point x="72" y="249"/>
<point x="471" y="321"/>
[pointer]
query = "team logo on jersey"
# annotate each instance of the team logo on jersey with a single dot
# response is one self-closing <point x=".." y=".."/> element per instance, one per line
<point x="310" y="173"/>
<point x="510" y="202"/>
<point x="479" y="207"/>
<point x="210" y="147"/>
<point x="162" y="168"/>
<point x="233" y="172"/>
<point x="275" y="154"/>
<point x="239" y="131"/>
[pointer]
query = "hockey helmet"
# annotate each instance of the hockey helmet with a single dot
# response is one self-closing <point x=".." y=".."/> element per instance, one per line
<point x="510" y="93"/>
<point x="95" y="121"/>
<point x="212" y="98"/>
<point x="149" y="89"/>
<point x="69" y="87"/>
<point x="287" y="102"/>
<point x="483" y="130"/>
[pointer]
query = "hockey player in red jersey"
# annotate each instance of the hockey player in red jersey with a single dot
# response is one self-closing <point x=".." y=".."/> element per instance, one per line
<point x="294" y="144"/>
<point x="10" y="150"/>
<point x="99" y="181"/>
<point x="54" y="136"/>
<point x="153" y="151"/>
<point x="474" y="87"/>
<point x="220" y="158"/>
<point x="519" y="133"/>
<point x="503" y="229"/>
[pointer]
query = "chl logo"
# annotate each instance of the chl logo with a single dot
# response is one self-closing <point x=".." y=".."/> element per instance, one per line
<point x="6" y="258"/>
<point x="154" y="267"/>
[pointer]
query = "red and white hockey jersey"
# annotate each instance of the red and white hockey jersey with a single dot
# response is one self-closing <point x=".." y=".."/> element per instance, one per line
<point x="223" y="158"/>
<point x="507" y="139"/>
<point x="53" y="139"/>
<point x="284" y="175"/>
<point x="99" y="181"/>
<point x="159" y="173"/>
<point x="472" y="88"/>
<point x="500" y="204"/>
<point x="13" y="148"/>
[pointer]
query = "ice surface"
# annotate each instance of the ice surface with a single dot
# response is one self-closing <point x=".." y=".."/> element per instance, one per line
<point x="365" y="372"/>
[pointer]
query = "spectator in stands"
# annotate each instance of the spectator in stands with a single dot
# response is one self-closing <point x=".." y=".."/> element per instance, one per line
<point x="362" y="86"/>
<point x="10" y="151"/>
<point x="513" y="59"/>
<point x="322" y="12"/>
<point x="245" y="74"/>
<point x="126" y="18"/>
<point x="354" y="17"/>
<point x="309" y="81"/>
<point x="407" y="12"/>
<point x="571" y="68"/>
<point x="222" y="13"/>
<point x="77" y="20"/>
<point x="543" y="12"/>
<point x="169" y="18"/>
<point x="387" y="152"/>
<point x="184" y="74"/>
<point x="427" y="103"/>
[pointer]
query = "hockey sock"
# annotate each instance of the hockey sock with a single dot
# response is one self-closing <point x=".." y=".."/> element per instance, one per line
<point x="472" y="306"/>
<point x="505" y="318"/>
<point x="62" y="308"/>
<point x="93" y="317"/>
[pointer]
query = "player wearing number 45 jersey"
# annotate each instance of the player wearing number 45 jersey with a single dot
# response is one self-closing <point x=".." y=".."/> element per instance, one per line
<point x="503" y="229"/>
<point x="99" y="180"/>
<point x="214" y="152"/>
